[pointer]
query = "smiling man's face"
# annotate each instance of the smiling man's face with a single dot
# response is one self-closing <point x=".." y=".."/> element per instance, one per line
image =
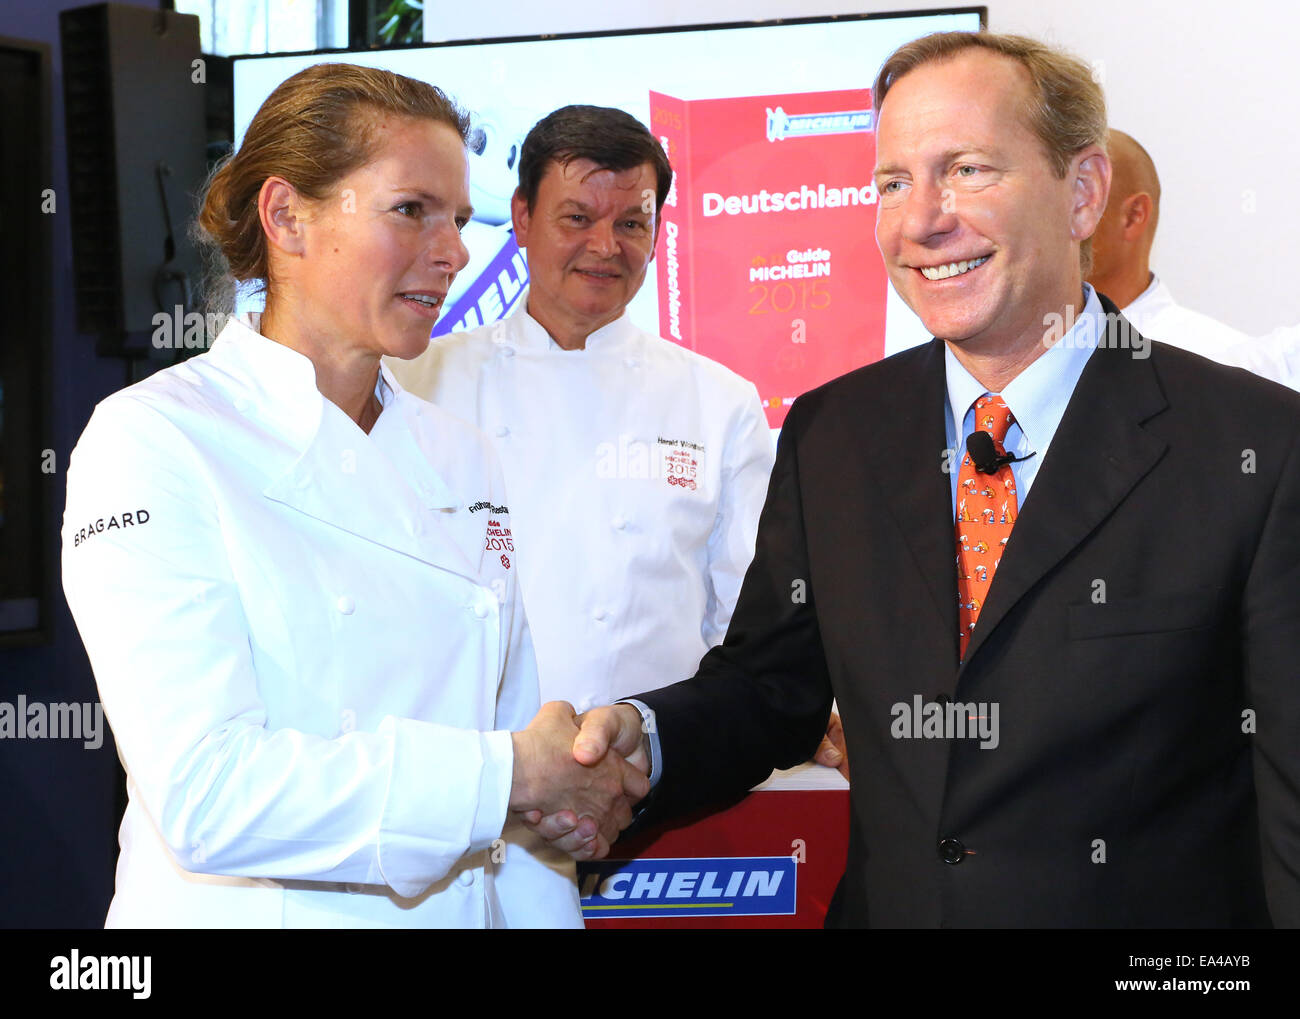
<point x="979" y="235"/>
<point x="589" y="240"/>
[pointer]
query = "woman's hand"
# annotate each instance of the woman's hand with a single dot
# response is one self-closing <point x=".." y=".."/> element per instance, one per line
<point x="590" y="803"/>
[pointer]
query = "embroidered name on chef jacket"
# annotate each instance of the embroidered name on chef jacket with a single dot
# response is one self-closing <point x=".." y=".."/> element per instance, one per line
<point x="498" y="538"/>
<point x="128" y="519"/>
<point x="681" y="462"/>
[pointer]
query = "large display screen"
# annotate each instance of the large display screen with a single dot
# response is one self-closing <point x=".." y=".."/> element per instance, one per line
<point x="766" y="257"/>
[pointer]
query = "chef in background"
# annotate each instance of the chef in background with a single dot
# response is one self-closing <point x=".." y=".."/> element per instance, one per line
<point x="636" y="467"/>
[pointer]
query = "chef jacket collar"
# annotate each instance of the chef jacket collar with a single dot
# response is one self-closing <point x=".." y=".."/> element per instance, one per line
<point x="282" y="382"/>
<point x="283" y="377"/>
<point x="386" y="386"/>
<point x="1153" y="300"/>
<point x="529" y="334"/>
<point x="275" y="385"/>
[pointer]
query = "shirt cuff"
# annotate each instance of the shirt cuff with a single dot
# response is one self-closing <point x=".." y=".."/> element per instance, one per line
<point x="493" y="789"/>
<point x="650" y="729"/>
<point x="448" y="796"/>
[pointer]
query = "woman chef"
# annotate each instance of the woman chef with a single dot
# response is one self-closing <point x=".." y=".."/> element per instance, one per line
<point x="278" y="562"/>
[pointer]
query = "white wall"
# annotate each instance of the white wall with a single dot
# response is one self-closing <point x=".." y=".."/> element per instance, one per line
<point x="1208" y="87"/>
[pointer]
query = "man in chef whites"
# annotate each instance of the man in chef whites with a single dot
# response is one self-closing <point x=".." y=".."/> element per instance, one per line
<point x="636" y="468"/>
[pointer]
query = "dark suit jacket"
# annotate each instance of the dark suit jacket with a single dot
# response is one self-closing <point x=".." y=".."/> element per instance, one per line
<point x="1172" y="481"/>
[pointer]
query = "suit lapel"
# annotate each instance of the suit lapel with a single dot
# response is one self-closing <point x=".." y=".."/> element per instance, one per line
<point x="1099" y="453"/>
<point x="909" y="436"/>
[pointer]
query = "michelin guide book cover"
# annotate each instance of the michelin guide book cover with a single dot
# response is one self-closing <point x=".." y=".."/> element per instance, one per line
<point x="767" y="259"/>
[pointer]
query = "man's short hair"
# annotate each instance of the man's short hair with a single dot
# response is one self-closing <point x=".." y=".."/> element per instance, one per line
<point x="610" y="138"/>
<point x="1066" y="107"/>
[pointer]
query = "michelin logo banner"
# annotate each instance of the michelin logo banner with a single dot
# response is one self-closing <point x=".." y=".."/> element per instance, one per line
<point x="718" y="886"/>
<point x="782" y="125"/>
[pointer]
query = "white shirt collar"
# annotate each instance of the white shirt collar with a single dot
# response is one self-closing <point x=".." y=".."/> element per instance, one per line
<point x="1037" y="397"/>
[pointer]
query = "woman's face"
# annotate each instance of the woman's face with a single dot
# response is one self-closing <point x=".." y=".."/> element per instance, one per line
<point x="379" y="255"/>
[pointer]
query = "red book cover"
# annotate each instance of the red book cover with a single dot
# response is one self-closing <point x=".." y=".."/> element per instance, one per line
<point x="668" y="120"/>
<point x="767" y="260"/>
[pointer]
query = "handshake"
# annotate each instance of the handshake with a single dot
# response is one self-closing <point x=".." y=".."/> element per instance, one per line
<point x="576" y="778"/>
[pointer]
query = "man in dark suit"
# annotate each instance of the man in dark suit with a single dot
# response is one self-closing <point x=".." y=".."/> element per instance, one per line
<point x="1065" y="660"/>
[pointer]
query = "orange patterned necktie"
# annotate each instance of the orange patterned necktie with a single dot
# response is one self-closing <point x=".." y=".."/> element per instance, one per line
<point x="986" y="509"/>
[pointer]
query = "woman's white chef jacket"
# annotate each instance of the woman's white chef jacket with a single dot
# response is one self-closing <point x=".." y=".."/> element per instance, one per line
<point x="309" y="659"/>
<point x="636" y="470"/>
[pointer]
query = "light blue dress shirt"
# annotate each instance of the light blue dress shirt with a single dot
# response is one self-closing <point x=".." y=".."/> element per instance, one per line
<point x="1036" y="398"/>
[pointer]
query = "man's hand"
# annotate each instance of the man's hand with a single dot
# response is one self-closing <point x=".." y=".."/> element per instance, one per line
<point x="616" y="727"/>
<point x="551" y="786"/>
<point x="609" y="733"/>
<point x="832" y="753"/>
